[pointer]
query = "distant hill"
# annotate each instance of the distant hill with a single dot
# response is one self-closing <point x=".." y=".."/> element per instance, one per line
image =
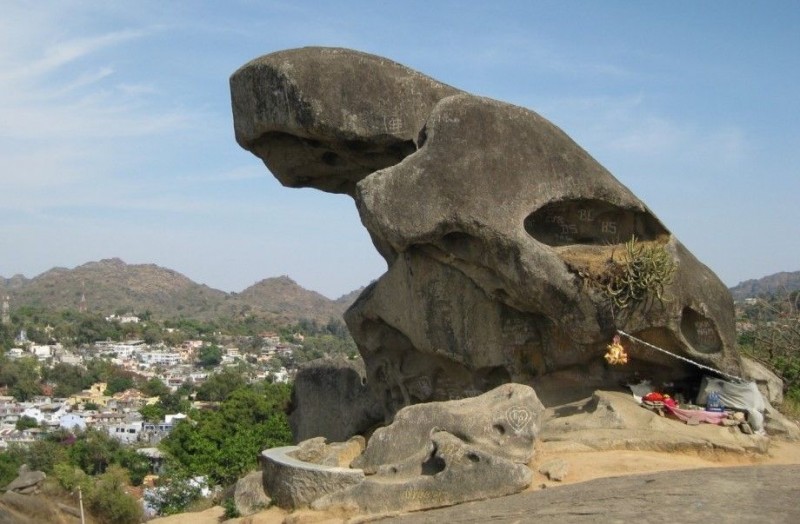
<point x="111" y="285"/>
<point x="283" y="298"/>
<point x="768" y="285"/>
<point x="345" y="301"/>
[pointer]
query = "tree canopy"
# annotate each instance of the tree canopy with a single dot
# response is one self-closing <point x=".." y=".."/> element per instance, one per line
<point x="225" y="443"/>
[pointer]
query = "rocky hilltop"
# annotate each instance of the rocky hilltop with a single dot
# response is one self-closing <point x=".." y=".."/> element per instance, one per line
<point x="783" y="282"/>
<point x="112" y="285"/>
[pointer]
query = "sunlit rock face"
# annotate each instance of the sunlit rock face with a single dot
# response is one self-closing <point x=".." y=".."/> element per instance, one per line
<point x="489" y="217"/>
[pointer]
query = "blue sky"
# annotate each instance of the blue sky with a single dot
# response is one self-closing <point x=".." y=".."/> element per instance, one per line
<point x="116" y="136"/>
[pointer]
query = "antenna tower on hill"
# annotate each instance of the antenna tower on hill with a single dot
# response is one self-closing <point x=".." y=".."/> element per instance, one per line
<point x="82" y="304"/>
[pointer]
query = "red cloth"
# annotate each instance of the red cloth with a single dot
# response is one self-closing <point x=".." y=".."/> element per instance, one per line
<point x="710" y="417"/>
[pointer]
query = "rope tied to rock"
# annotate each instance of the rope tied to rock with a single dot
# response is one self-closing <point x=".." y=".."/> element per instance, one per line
<point x="679" y="357"/>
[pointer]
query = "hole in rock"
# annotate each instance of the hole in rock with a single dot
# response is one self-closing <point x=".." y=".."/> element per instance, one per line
<point x="473" y="457"/>
<point x="433" y="465"/>
<point x="499" y="428"/>
<point x="700" y="331"/>
<point x="590" y="222"/>
<point x="330" y="158"/>
<point x="422" y="137"/>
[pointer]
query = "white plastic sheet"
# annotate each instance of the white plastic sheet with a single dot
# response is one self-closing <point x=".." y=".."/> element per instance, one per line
<point x="744" y="396"/>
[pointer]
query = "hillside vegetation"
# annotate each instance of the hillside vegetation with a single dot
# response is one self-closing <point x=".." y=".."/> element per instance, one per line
<point x="111" y="286"/>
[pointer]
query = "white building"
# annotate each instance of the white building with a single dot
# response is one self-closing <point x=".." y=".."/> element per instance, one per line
<point x="160" y="358"/>
<point x="41" y="353"/>
<point x="127" y="433"/>
<point x="15" y="353"/>
<point x="123" y="350"/>
<point x="123" y="319"/>
<point x="72" y="421"/>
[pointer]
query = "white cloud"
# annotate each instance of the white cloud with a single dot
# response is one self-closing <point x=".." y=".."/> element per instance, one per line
<point x="68" y="123"/>
<point x="34" y="63"/>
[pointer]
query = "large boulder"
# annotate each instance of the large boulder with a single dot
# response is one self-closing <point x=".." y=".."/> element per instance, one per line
<point x="330" y="399"/>
<point x="433" y="454"/>
<point x="769" y="384"/>
<point x="249" y="496"/>
<point x="443" y="453"/>
<point x="507" y="244"/>
<point x="454" y="472"/>
<point x="27" y="481"/>
<point x="503" y="422"/>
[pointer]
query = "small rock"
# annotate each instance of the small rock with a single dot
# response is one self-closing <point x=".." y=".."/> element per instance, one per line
<point x="555" y="469"/>
<point x="249" y="494"/>
<point x="26" y="479"/>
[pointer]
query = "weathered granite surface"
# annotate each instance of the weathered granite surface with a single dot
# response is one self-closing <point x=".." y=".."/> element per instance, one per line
<point x="293" y="483"/>
<point x="753" y="494"/>
<point x="330" y="399"/>
<point x="490" y="219"/>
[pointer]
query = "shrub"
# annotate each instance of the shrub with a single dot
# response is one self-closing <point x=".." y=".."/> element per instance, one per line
<point x="108" y="501"/>
<point x="230" y="508"/>
<point x="174" y="493"/>
<point x="773" y="339"/>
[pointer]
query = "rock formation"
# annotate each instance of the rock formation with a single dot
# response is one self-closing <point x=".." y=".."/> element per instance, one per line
<point x="27" y="482"/>
<point x="502" y="236"/>
<point x="433" y="454"/>
<point x="330" y="399"/>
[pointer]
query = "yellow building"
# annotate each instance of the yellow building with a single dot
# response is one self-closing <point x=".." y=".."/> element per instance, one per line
<point x="94" y="395"/>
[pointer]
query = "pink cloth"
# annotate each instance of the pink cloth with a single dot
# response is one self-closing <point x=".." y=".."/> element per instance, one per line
<point x="710" y="417"/>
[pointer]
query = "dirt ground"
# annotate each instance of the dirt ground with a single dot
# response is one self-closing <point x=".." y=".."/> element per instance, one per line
<point x="588" y="465"/>
<point x="583" y="466"/>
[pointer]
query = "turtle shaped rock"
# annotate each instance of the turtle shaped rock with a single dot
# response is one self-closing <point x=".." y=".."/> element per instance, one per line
<point x="508" y="246"/>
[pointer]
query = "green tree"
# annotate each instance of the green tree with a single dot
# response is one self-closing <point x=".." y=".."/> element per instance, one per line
<point x="71" y="478"/>
<point x="41" y="455"/>
<point x="319" y="346"/>
<point x="10" y="461"/>
<point x="154" y="387"/>
<point x="118" y="382"/>
<point x="175" y="402"/>
<point x="92" y="328"/>
<point x="209" y="356"/>
<point x="220" y="385"/>
<point x="774" y="339"/>
<point x="68" y="379"/>
<point x="22" y="378"/>
<point x="152" y="333"/>
<point x="225" y="443"/>
<point x="94" y="451"/>
<point x="26" y="422"/>
<point x="152" y="412"/>
<point x="6" y="337"/>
